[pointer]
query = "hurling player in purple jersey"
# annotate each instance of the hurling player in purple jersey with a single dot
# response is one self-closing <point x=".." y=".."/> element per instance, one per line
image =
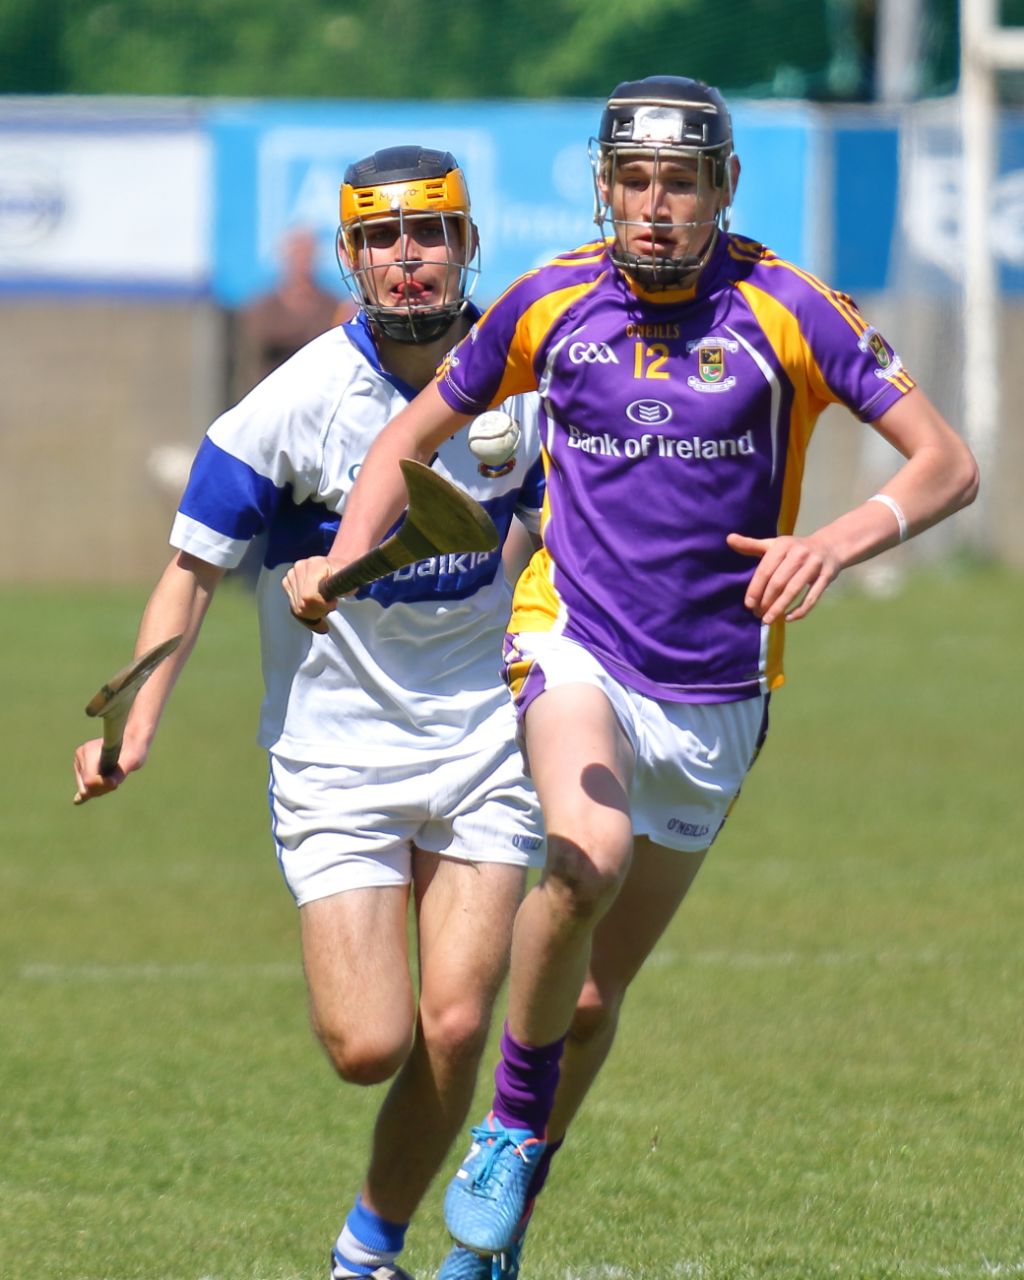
<point x="681" y="371"/>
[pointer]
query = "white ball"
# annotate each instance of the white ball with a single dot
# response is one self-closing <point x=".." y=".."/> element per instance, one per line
<point x="493" y="437"/>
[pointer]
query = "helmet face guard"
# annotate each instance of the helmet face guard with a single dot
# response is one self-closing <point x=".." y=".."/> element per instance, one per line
<point x="664" y="120"/>
<point x="392" y="191"/>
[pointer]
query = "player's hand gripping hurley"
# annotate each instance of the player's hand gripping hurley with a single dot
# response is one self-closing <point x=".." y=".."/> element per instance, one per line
<point x="440" y="519"/>
<point x="114" y="700"/>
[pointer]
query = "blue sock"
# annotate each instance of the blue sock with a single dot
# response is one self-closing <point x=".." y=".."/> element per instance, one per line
<point x="367" y="1240"/>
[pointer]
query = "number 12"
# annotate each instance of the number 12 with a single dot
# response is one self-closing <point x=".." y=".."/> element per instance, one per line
<point x="655" y="355"/>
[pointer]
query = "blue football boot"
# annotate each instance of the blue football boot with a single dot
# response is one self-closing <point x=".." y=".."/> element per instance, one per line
<point x="486" y="1200"/>
<point x="464" y="1264"/>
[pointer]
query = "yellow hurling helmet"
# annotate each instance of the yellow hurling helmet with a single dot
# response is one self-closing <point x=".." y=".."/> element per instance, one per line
<point x="396" y="188"/>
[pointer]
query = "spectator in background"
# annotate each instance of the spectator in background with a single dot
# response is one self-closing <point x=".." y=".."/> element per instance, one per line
<point x="270" y="329"/>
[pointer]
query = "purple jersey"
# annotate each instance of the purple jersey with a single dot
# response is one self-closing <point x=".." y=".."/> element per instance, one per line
<point x="669" y="420"/>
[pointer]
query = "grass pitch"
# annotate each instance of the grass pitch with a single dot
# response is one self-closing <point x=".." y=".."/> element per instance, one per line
<point x="818" y="1074"/>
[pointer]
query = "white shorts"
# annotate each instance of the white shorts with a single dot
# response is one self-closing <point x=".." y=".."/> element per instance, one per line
<point x="338" y="827"/>
<point x="691" y="757"/>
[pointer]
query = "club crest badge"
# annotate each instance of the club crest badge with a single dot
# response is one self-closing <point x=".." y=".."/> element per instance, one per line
<point x="712" y="372"/>
<point x="889" y="363"/>
<point x="711" y="364"/>
<point x="876" y="344"/>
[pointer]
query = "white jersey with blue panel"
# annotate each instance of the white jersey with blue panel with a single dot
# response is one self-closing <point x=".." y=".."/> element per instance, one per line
<point x="410" y="666"/>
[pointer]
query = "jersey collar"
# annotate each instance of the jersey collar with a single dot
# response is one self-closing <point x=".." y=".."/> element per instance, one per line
<point x="701" y="285"/>
<point x="360" y="335"/>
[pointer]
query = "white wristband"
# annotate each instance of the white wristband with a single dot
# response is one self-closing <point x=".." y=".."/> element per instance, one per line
<point x="897" y="511"/>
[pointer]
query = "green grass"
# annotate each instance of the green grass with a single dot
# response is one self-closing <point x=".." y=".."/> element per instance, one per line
<point x="818" y="1075"/>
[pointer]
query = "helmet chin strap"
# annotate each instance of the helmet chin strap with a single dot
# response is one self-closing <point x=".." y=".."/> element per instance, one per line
<point x="408" y="328"/>
<point x="655" y="273"/>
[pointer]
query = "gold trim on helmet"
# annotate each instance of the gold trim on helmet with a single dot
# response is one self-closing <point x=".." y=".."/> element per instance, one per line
<point x="406" y="202"/>
<point x="448" y="194"/>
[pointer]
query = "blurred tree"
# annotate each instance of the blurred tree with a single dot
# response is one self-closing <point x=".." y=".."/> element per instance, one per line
<point x="447" y="49"/>
<point x="31" y="44"/>
<point x="753" y="42"/>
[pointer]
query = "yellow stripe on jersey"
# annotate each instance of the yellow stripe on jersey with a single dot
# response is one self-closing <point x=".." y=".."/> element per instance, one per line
<point x="811" y="393"/>
<point x="593" y="251"/>
<point x="750" y="251"/>
<point x="774" y="676"/>
<point x="536" y="605"/>
<point x="531" y="329"/>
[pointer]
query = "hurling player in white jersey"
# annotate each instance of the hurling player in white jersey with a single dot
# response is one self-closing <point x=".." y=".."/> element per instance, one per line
<point x="393" y="767"/>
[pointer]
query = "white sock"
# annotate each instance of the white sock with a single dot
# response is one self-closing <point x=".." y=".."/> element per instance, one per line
<point x="358" y="1254"/>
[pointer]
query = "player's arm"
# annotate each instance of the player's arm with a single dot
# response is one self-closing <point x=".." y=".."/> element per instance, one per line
<point x="178" y="604"/>
<point x="518" y="549"/>
<point x="378" y="497"/>
<point x="938" y="477"/>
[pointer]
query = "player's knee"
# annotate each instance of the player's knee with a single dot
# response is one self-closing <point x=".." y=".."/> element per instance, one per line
<point x="596" y="1015"/>
<point x="362" y="1059"/>
<point x="455" y="1030"/>
<point x="581" y="885"/>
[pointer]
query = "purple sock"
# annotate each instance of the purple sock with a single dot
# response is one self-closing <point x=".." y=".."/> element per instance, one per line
<point x="525" y="1083"/>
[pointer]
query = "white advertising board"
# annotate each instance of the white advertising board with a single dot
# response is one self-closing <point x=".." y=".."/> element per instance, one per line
<point x="95" y="207"/>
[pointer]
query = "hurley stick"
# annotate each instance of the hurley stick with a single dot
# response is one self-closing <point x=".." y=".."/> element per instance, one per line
<point x="441" y="519"/>
<point x="114" y="700"/>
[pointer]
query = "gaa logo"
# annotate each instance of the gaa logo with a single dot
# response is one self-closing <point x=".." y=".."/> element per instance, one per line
<point x="649" y="413"/>
<point x="592" y="353"/>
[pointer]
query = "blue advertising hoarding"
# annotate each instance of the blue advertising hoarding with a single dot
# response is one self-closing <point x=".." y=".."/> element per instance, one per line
<point x="119" y="198"/>
<point x="280" y="166"/>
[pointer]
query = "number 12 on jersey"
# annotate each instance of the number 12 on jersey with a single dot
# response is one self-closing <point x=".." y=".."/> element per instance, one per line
<point x="648" y="360"/>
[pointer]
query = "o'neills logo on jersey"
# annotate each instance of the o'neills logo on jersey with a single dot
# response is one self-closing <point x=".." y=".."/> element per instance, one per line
<point x="652" y="330"/>
<point x="711" y="371"/>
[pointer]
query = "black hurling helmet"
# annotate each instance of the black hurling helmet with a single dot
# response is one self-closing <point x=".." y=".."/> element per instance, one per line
<point x="403" y="185"/>
<point x="661" y="118"/>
